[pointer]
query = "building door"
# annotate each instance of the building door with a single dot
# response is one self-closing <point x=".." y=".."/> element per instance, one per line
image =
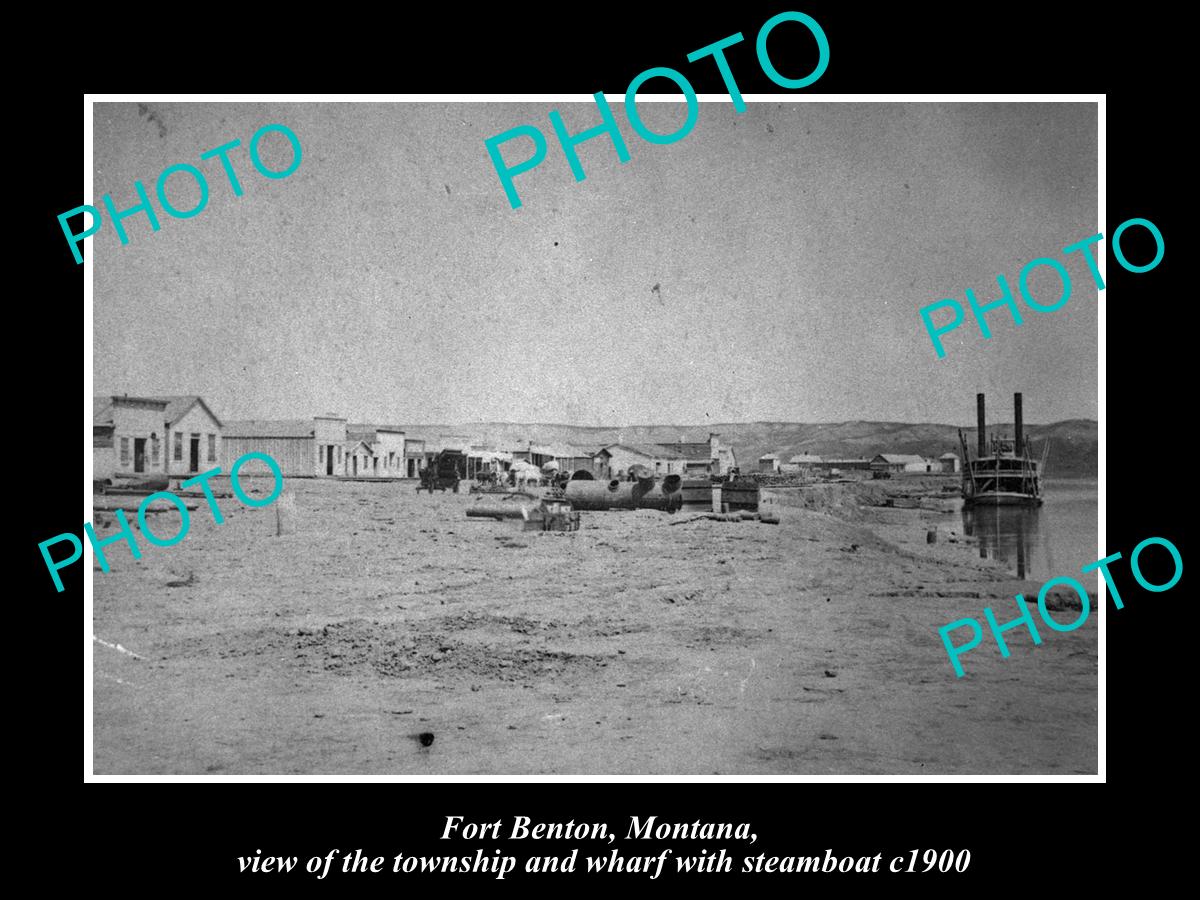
<point x="139" y="454"/>
<point x="194" y="459"/>
<point x="354" y="463"/>
<point x="329" y="459"/>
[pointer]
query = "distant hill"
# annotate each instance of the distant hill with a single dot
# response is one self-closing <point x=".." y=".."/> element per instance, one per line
<point x="1073" y="443"/>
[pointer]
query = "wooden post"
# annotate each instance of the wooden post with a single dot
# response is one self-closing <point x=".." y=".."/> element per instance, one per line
<point x="285" y="514"/>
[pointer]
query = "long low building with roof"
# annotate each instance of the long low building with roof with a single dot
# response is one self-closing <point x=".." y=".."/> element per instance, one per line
<point x="697" y="459"/>
<point x="567" y="457"/>
<point x="895" y="463"/>
<point x="302" y="447"/>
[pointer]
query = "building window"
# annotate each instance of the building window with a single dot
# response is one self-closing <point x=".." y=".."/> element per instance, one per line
<point x="178" y="446"/>
<point x="124" y="451"/>
<point x="212" y="448"/>
<point x="154" y="451"/>
<point x="321" y="452"/>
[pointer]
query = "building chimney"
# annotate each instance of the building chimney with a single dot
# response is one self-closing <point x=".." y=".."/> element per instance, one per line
<point x="1018" y="424"/>
<point x="979" y="414"/>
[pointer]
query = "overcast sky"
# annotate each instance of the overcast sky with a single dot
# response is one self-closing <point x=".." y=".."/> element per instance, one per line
<point x="769" y="265"/>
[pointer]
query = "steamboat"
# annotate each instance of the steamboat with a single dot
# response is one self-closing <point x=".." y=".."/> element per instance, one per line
<point x="1002" y="473"/>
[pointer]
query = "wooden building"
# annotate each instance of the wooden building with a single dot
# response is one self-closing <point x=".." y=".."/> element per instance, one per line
<point x="303" y="448"/>
<point x="701" y="458"/>
<point x="950" y="462"/>
<point x="360" y="460"/>
<point x="387" y="449"/>
<point x="861" y="463"/>
<point x="806" y="461"/>
<point x="898" y="463"/>
<point x="695" y="458"/>
<point x="414" y="456"/>
<point x="569" y="458"/>
<point x="573" y="458"/>
<point x="193" y="435"/>
<point x="615" y="460"/>
<point x="128" y="436"/>
<point x="769" y="463"/>
<point x="173" y="435"/>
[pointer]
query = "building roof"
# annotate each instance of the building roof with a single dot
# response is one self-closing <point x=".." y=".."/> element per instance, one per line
<point x="368" y="432"/>
<point x="900" y="458"/>
<point x="355" y="444"/>
<point x="650" y="451"/>
<point x="948" y="456"/>
<point x="179" y="404"/>
<point x="769" y="456"/>
<point x="558" y="451"/>
<point x="264" y="428"/>
<point x="175" y="407"/>
<point x="102" y="411"/>
<point x="805" y="458"/>
<point x="102" y="406"/>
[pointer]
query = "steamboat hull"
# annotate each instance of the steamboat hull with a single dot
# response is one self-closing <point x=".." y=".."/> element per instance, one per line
<point x="1003" y="498"/>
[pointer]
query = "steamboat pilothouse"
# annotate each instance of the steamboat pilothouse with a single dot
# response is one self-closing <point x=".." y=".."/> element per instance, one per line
<point x="1002" y="472"/>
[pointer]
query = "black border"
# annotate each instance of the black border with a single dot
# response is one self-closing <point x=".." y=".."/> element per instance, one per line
<point x="194" y="839"/>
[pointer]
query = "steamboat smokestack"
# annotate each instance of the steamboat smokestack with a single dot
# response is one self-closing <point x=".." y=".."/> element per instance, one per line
<point x="1017" y="426"/>
<point x="980" y="426"/>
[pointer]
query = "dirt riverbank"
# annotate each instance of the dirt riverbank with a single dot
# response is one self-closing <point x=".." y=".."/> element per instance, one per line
<point x="631" y="646"/>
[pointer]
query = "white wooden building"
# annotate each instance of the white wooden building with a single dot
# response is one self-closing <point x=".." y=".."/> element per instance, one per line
<point x="387" y="445"/>
<point x="142" y="436"/>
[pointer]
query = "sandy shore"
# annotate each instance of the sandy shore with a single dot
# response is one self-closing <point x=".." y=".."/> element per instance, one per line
<point x="631" y="646"/>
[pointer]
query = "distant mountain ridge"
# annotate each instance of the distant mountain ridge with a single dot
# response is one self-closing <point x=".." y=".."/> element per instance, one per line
<point x="1073" y="443"/>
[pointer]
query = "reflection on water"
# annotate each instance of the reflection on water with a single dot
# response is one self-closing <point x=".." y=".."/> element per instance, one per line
<point x="1043" y="542"/>
<point x="1006" y="533"/>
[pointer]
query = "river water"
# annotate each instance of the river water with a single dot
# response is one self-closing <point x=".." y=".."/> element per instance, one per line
<point x="1054" y="539"/>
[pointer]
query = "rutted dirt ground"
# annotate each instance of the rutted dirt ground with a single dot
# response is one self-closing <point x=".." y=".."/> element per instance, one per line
<point x="630" y="647"/>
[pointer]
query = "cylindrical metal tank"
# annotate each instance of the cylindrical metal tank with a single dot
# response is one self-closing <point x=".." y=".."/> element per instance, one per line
<point x="615" y="494"/>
